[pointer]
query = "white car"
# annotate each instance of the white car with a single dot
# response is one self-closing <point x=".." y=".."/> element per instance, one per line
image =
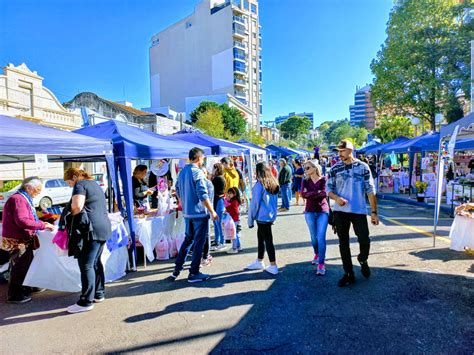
<point x="54" y="192"/>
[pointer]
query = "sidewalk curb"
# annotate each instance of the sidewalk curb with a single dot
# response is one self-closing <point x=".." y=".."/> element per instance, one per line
<point x="408" y="201"/>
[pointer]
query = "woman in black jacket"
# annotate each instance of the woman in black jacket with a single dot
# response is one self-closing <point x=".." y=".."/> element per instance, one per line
<point x="88" y="198"/>
<point x="140" y="188"/>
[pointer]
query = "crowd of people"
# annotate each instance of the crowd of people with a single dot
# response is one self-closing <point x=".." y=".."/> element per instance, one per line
<point x="204" y="196"/>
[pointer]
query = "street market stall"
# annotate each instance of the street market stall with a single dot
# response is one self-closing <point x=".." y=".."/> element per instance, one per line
<point x="134" y="143"/>
<point x="461" y="129"/>
<point x="22" y="141"/>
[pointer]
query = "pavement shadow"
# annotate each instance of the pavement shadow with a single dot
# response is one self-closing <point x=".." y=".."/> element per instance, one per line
<point x="393" y="311"/>
<point x="444" y="255"/>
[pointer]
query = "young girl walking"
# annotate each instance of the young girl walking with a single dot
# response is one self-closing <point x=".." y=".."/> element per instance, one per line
<point x="263" y="210"/>
<point x="233" y="202"/>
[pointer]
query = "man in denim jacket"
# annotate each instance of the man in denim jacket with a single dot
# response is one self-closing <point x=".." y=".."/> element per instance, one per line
<point x="349" y="181"/>
<point x="191" y="189"/>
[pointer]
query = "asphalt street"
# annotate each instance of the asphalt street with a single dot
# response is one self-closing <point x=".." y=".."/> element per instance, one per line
<point x="419" y="299"/>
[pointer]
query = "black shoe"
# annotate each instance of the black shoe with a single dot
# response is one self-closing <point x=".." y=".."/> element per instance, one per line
<point x="346" y="280"/>
<point x="174" y="275"/>
<point x="198" y="277"/>
<point x="365" y="269"/>
<point x="18" y="300"/>
<point x="228" y="241"/>
<point x="213" y="243"/>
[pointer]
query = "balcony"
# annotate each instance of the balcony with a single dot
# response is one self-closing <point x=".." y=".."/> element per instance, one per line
<point x="240" y="31"/>
<point x="240" y="82"/>
<point x="240" y="94"/>
<point x="244" y="101"/>
<point x="239" y="19"/>
<point x="240" y="68"/>
<point x="240" y="57"/>
<point x="240" y="45"/>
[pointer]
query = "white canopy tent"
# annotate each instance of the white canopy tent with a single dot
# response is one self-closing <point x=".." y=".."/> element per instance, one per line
<point x="463" y="128"/>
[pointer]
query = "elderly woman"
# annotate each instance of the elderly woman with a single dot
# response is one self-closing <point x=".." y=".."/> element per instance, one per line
<point x="88" y="197"/>
<point x="19" y="227"/>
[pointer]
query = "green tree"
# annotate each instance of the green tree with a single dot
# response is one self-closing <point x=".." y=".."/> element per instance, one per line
<point x="203" y="107"/>
<point x="295" y="127"/>
<point x="453" y="109"/>
<point x="392" y="127"/>
<point x="254" y="137"/>
<point x="425" y="56"/>
<point x="233" y="120"/>
<point x="210" y="121"/>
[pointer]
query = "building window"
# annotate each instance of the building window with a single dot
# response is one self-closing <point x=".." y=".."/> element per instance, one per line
<point x="189" y="24"/>
<point x="254" y="8"/>
<point x="246" y="5"/>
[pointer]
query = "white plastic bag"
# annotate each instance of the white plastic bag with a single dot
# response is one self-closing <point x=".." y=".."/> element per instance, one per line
<point x="228" y="227"/>
<point x="162" y="249"/>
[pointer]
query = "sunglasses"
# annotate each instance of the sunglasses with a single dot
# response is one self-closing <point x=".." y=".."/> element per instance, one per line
<point x="307" y="167"/>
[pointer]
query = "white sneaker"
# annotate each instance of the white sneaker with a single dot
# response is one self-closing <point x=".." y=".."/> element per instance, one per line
<point x="232" y="251"/>
<point x="75" y="308"/>
<point x="256" y="265"/>
<point x="272" y="269"/>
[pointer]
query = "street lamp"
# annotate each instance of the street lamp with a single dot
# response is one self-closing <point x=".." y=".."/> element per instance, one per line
<point x="438" y="120"/>
<point x="415" y="121"/>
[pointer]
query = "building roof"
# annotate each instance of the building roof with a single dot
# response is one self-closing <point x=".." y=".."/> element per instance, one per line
<point x="126" y="109"/>
<point x="129" y="109"/>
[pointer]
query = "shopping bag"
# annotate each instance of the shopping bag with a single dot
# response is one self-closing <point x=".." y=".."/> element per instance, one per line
<point x="172" y="246"/>
<point x="61" y="239"/>
<point x="162" y="249"/>
<point x="228" y="227"/>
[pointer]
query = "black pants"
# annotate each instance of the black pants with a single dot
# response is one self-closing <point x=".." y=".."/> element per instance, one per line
<point x="265" y="241"/>
<point x="343" y="221"/>
<point x="92" y="272"/>
<point x="19" y="265"/>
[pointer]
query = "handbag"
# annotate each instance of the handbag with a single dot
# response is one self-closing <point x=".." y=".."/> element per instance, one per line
<point x="331" y="217"/>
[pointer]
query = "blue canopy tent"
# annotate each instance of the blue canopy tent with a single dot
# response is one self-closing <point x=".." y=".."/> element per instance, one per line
<point x="279" y="151"/>
<point x="377" y="150"/>
<point x="258" y="149"/>
<point x="369" y="145"/>
<point x="134" y="143"/>
<point x="217" y="146"/>
<point x="20" y="140"/>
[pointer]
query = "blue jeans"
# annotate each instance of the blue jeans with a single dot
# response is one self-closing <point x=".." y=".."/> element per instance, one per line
<point x="317" y="223"/>
<point x="236" y="241"/>
<point x="220" y="209"/>
<point x="285" y="195"/>
<point x="197" y="230"/>
<point x="92" y="272"/>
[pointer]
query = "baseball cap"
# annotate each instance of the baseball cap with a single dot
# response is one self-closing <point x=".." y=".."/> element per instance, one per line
<point x="345" y="144"/>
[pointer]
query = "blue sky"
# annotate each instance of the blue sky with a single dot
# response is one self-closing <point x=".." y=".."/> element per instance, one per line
<point x="315" y="52"/>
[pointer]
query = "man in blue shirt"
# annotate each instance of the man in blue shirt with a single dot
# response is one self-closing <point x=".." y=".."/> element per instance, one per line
<point x="349" y="181"/>
<point x="191" y="189"/>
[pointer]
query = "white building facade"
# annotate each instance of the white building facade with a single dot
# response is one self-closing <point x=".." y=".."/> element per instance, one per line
<point x="23" y="95"/>
<point x="211" y="54"/>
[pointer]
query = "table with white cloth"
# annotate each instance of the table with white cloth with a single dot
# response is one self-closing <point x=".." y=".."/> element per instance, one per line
<point x="148" y="231"/>
<point x="53" y="269"/>
<point x="462" y="233"/>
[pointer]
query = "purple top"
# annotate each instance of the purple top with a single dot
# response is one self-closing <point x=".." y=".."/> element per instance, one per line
<point x="315" y="195"/>
<point x="18" y="220"/>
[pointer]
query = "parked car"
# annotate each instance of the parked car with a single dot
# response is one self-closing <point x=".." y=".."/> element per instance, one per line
<point x="54" y="192"/>
<point x="101" y="180"/>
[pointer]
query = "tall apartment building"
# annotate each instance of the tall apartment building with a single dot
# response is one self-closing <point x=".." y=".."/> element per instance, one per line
<point x="362" y="113"/>
<point x="310" y="115"/>
<point x="213" y="54"/>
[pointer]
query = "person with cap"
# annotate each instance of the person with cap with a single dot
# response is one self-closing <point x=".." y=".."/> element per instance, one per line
<point x="284" y="179"/>
<point x="349" y="181"/>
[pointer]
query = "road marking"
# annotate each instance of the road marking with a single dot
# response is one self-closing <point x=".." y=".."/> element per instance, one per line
<point x="415" y="229"/>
